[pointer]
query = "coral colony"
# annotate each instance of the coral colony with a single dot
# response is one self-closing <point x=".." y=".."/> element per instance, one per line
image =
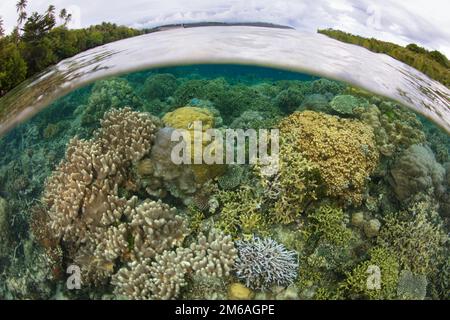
<point x="132" y="185"/>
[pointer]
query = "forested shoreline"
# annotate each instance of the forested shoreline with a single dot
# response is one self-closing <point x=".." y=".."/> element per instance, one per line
<point x="40" y="40"/>
<point x="432" y="63"/>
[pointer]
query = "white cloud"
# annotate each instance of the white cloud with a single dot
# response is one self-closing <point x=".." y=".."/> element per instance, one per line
<point x="403" y="22"/>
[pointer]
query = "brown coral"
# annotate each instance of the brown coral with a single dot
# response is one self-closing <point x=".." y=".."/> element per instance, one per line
<point x="344" y="150"/>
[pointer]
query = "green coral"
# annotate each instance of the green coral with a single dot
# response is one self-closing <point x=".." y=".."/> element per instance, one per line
<point x="108" y="94"/>
<point x="294" y="186"/>
<point x="290" y="99"/>
<point x="416" y="236"/>
<point x="358" y="284"/>
<point x="329" y="223"/>
<point x="345" y="104"/>
<point x="241" y="211"/>
<point x="160" y="86"/>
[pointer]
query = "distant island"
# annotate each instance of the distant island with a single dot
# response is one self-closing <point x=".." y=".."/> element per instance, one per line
<point x="432" y="63"/>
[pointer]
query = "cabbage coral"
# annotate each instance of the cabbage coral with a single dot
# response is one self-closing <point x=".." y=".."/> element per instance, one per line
<point x="343" y="149"/>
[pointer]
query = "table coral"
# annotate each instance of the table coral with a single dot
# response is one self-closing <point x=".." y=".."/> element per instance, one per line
<point x="343" y="149"/>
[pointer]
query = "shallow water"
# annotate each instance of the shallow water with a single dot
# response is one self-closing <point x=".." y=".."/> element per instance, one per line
<point x="363" y="184"/>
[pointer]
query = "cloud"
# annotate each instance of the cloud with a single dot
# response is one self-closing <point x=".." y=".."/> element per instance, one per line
<point x="402" y="22"/>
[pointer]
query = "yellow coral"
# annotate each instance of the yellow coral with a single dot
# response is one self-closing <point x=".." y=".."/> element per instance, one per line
<point x="237" y="291"/>
<point x="184" y="118"/>
<point x="344" y="150"/>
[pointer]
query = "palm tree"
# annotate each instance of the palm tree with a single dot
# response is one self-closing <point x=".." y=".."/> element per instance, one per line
<point x="21" y="7"/>
<point x="2" y="29"/>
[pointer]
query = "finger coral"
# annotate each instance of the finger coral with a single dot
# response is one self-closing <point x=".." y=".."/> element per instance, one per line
<point x="82" y="194"/>
<point x="165" y="275"/>
<point x="343" y="149"/>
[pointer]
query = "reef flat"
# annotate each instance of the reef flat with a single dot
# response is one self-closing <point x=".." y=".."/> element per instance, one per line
<point x="88" y="185"/>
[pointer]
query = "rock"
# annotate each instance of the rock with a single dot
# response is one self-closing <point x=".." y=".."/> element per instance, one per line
<point x="372" y="228"/>
<point x="358" y="219"/>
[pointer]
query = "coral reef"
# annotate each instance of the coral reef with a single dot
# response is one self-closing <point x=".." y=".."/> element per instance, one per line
<point x="416" y="170"/>
<point x="356" y="284"/>
<point x="295" y="185"/>
<point x="344" y="150"/>
<point x="160" y="86"/>
<point x="290" y="99"/>
<point x="395" y="127"/>
<point x="108" y="94"/>
<point x="345" y="104"/>
<point x="412" y="287"/>
<point x="416" y="236"/>
<point x="241" y="211"/>
<point x="262" y="263"/>
<point x="237" y="291"/>
<point x="164" y="277"/>
<point x="4" y="228"/>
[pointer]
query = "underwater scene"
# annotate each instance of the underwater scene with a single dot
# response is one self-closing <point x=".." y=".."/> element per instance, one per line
<point x="93" y="206"/>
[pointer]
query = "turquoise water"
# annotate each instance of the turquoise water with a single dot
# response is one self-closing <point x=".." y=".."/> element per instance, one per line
<point x="362" y="182"/>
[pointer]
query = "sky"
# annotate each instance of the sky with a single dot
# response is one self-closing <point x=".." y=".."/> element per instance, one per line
<point x="423" y="22"/>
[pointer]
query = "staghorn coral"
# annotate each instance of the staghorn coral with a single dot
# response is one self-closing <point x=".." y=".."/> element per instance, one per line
<point x="416" y="171"/>
<point x="356" y="282"/>
<point x="241" y="211"/>
<point x="294" y="186"/>
<point x="262" y="263"/>
<point x="343" y="149"/>
<point x="416" y="236"/>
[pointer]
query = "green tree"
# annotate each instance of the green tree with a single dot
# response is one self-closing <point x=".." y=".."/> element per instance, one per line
<point x="13" y="68"/>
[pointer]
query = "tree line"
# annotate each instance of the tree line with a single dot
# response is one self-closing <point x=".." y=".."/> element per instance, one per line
<point x="43" y="39"/>
<point x="432" y="63"/>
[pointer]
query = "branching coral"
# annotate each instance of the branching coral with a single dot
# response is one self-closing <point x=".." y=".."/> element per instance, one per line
<point x="262" y="263"/>
<point x="165" y="276"/>
<point x="330" y="225"/>
<point x="294" y="186"/>
<point x="363" y="281"/>
<point x="82" y="194"/>
<point x="107" y="94"/>
<point x="416" y="236"/>
<point x="343" y="149"/>
<point x="241" y="211"/>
